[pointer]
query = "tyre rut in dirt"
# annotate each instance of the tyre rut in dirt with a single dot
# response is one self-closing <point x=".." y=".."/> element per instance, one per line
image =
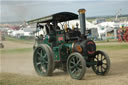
<point x="43" y="61"/>
<point x="103" y="63"/>
<point x="76" y="66"/>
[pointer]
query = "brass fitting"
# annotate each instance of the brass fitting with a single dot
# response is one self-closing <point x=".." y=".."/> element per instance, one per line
<point x="82" y="11"/>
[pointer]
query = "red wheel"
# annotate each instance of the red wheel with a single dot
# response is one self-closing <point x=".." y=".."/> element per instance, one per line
<point x="119" y="35"/>
<point x="126" y="36"/>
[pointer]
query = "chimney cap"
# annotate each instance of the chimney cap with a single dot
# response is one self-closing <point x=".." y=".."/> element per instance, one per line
<point x="82" y="11"/>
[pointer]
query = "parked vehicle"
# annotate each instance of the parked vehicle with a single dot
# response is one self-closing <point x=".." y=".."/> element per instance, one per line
<point x="123" y="34"/>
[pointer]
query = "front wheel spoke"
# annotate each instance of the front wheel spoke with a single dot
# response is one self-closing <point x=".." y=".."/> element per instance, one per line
<point x="104" y="63"/>
<point x="98" y="69"/>
<point x="97" y="57"/>
<point x="103" y="67"/>
<point x="104" y="59"/>
<point x="101" y="57"/>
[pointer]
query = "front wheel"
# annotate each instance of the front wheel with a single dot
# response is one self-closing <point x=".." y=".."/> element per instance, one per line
<point x="103" y="63"/>
<point x="76" y="66"/>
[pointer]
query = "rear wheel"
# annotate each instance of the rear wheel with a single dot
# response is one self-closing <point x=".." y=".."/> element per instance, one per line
<point x="76" y="66"/>
<point x="103" y="63"/>
<point x="43" y="60"/>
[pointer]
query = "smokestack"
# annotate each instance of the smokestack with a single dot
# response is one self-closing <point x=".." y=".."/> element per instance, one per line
<point x="82" y="22"/>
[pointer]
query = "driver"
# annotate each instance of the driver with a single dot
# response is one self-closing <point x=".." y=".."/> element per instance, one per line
<point x="67" y="29"/>
<point x="49" y="27"/>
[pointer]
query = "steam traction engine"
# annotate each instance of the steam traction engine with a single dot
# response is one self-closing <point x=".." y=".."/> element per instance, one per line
<point x="66" y="48"/>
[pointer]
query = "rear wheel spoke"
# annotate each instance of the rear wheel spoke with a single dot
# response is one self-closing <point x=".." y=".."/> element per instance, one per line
<point x="71" y="67"/>
<point x="72" y="62"/>
<point x="38" y="53"/>
<point x="78" y="62"/>
<point x="73" y="71"/>
<point x="39" y="63"/>
<point x="44" y="56"/>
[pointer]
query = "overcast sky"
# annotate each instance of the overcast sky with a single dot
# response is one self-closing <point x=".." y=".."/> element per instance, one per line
<point x="19" y="10"/>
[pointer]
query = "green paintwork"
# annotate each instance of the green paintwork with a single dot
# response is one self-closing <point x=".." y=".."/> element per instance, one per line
<point x="60" y="52"/>
<point x="56" y="54"/>
<point x="64" y="53"/>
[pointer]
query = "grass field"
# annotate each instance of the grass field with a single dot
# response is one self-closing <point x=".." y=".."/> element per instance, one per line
<point x="17" y="66"/>
<point x="112" y="47"/>
<point x="19" y="40"/>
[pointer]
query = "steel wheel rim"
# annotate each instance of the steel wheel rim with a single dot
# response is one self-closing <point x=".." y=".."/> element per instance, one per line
<point x="41" y="61"/>
<point x="75" y="66"/>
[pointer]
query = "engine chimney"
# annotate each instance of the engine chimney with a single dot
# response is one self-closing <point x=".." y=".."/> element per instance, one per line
<point x="82" y="22"/>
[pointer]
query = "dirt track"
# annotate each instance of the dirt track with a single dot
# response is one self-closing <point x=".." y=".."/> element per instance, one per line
<point x="21" y="63"/>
